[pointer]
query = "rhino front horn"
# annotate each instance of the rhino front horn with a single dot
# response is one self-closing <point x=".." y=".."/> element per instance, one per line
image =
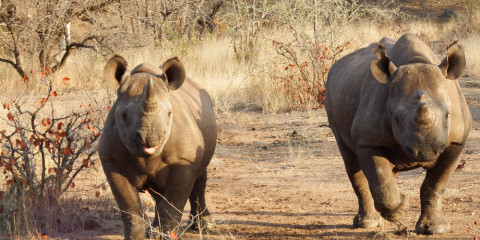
<point x="423" y="114"/>
<point x="150" y="104"/>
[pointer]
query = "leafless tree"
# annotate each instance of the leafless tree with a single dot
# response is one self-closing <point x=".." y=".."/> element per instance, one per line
<point x="33" y="30"/>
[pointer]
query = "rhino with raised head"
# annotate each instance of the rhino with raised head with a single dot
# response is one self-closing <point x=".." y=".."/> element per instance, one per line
<point x="393" y="106"/>
<point x="160" y="135"/>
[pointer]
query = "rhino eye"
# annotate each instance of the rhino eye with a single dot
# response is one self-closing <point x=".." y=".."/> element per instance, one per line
<point x="169" y="114"/>
<point x="396" y="119"/>
<point x="124" y="118"/>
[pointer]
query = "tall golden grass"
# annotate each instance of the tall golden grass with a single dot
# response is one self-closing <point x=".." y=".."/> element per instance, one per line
<point x="248" y="84"/>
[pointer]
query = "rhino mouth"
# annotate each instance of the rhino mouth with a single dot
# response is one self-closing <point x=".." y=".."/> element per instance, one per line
<point x="423" y="156"/>
<point x="150" y="149"/>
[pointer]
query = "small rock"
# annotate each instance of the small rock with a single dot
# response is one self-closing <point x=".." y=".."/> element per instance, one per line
<point x="449" y="14"/>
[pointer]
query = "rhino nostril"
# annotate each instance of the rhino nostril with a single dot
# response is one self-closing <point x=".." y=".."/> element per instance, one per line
<point x="420" y="155"/>
<point x="412" y="151"/>
<point x="139" y="139"/>
<point x="439" y="150"/>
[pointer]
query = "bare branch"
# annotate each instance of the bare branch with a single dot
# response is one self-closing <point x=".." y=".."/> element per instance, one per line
<point x="69" y="50"/>
<point x="15" y="66"/>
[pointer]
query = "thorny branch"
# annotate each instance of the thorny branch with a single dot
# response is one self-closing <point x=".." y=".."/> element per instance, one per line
<point x="39" y="136"/>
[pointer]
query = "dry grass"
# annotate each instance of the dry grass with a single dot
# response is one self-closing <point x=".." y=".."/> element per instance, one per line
<point x="249" y="84"/>
<point x="472" y="44"/>
<point x="26" y="214"/>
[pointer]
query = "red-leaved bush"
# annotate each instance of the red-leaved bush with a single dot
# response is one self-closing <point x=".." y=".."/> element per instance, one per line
<point x="43" y="150"/>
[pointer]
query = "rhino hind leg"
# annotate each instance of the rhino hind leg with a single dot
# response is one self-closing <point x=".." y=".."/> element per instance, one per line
<point x="367" y="216"/>
<point x="200" y="217"/>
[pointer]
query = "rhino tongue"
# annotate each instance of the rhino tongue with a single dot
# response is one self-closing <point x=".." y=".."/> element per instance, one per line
<point x="150" y="147"/>
<point x="151" y="150"/>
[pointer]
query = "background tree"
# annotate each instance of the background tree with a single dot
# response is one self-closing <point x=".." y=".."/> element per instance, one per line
<point x="34" y="30"/>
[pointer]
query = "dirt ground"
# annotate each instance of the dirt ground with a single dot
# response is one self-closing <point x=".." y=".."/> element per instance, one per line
<point x="431" y="8"/>
<point x="281" y="177"/>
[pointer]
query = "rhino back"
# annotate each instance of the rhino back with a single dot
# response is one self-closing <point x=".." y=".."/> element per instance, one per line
<point x="349" y="80"/>
<point x="192" y="138"/>
<point x="356" y="102"/>
<point x="193" y="123"/>
<point x="410" y="49"/>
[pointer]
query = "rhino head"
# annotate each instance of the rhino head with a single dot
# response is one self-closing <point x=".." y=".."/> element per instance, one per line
<point x="142" y="111"/>
<point x="419" y="103"/>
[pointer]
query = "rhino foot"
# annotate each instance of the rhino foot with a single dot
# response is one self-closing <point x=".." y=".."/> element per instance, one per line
<point x="156" y="233"/>
<point x="152" y="233"/>
<point x="430" y="226"/>
<point x="204" y="223"/>
<point x="397" y="213"/>
<point x="372" y="220"/>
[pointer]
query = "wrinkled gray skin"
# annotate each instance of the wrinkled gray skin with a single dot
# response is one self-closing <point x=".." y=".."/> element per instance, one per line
<point x="395" y="111"/>
<point x="160" y="135"/>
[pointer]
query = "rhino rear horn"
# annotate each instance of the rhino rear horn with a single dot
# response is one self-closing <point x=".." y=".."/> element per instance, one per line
<point x="174" y="73"/>
<point x="454" y="63"/>
<point x="382" y="68"/>
<point x="114" y="70"/>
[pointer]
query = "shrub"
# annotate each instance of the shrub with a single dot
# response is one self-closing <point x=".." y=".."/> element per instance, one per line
<point x="305" y="74"/>
<point x="43" y="150"/>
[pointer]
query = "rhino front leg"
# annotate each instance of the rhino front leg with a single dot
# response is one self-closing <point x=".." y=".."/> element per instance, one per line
<point x="170" y="205"/>
<point x="432" y="219"/>
<point x="129" y="203"/>
<point x="367" y="216"/>
<point x="388" y="199"/>
<point x="199" y="214"/>
<point x="152" y="229"/>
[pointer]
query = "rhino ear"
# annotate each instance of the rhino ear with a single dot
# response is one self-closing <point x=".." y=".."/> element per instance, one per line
<point x="454" y="63"/>
<point x="382" y="68"/>
<point x="114" y="70"/>
<point x="174" y="73"/>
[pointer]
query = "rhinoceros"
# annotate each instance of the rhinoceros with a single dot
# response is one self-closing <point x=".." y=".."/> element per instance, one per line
<point x="392" y="107"/>
<point x="159" y="135"/>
